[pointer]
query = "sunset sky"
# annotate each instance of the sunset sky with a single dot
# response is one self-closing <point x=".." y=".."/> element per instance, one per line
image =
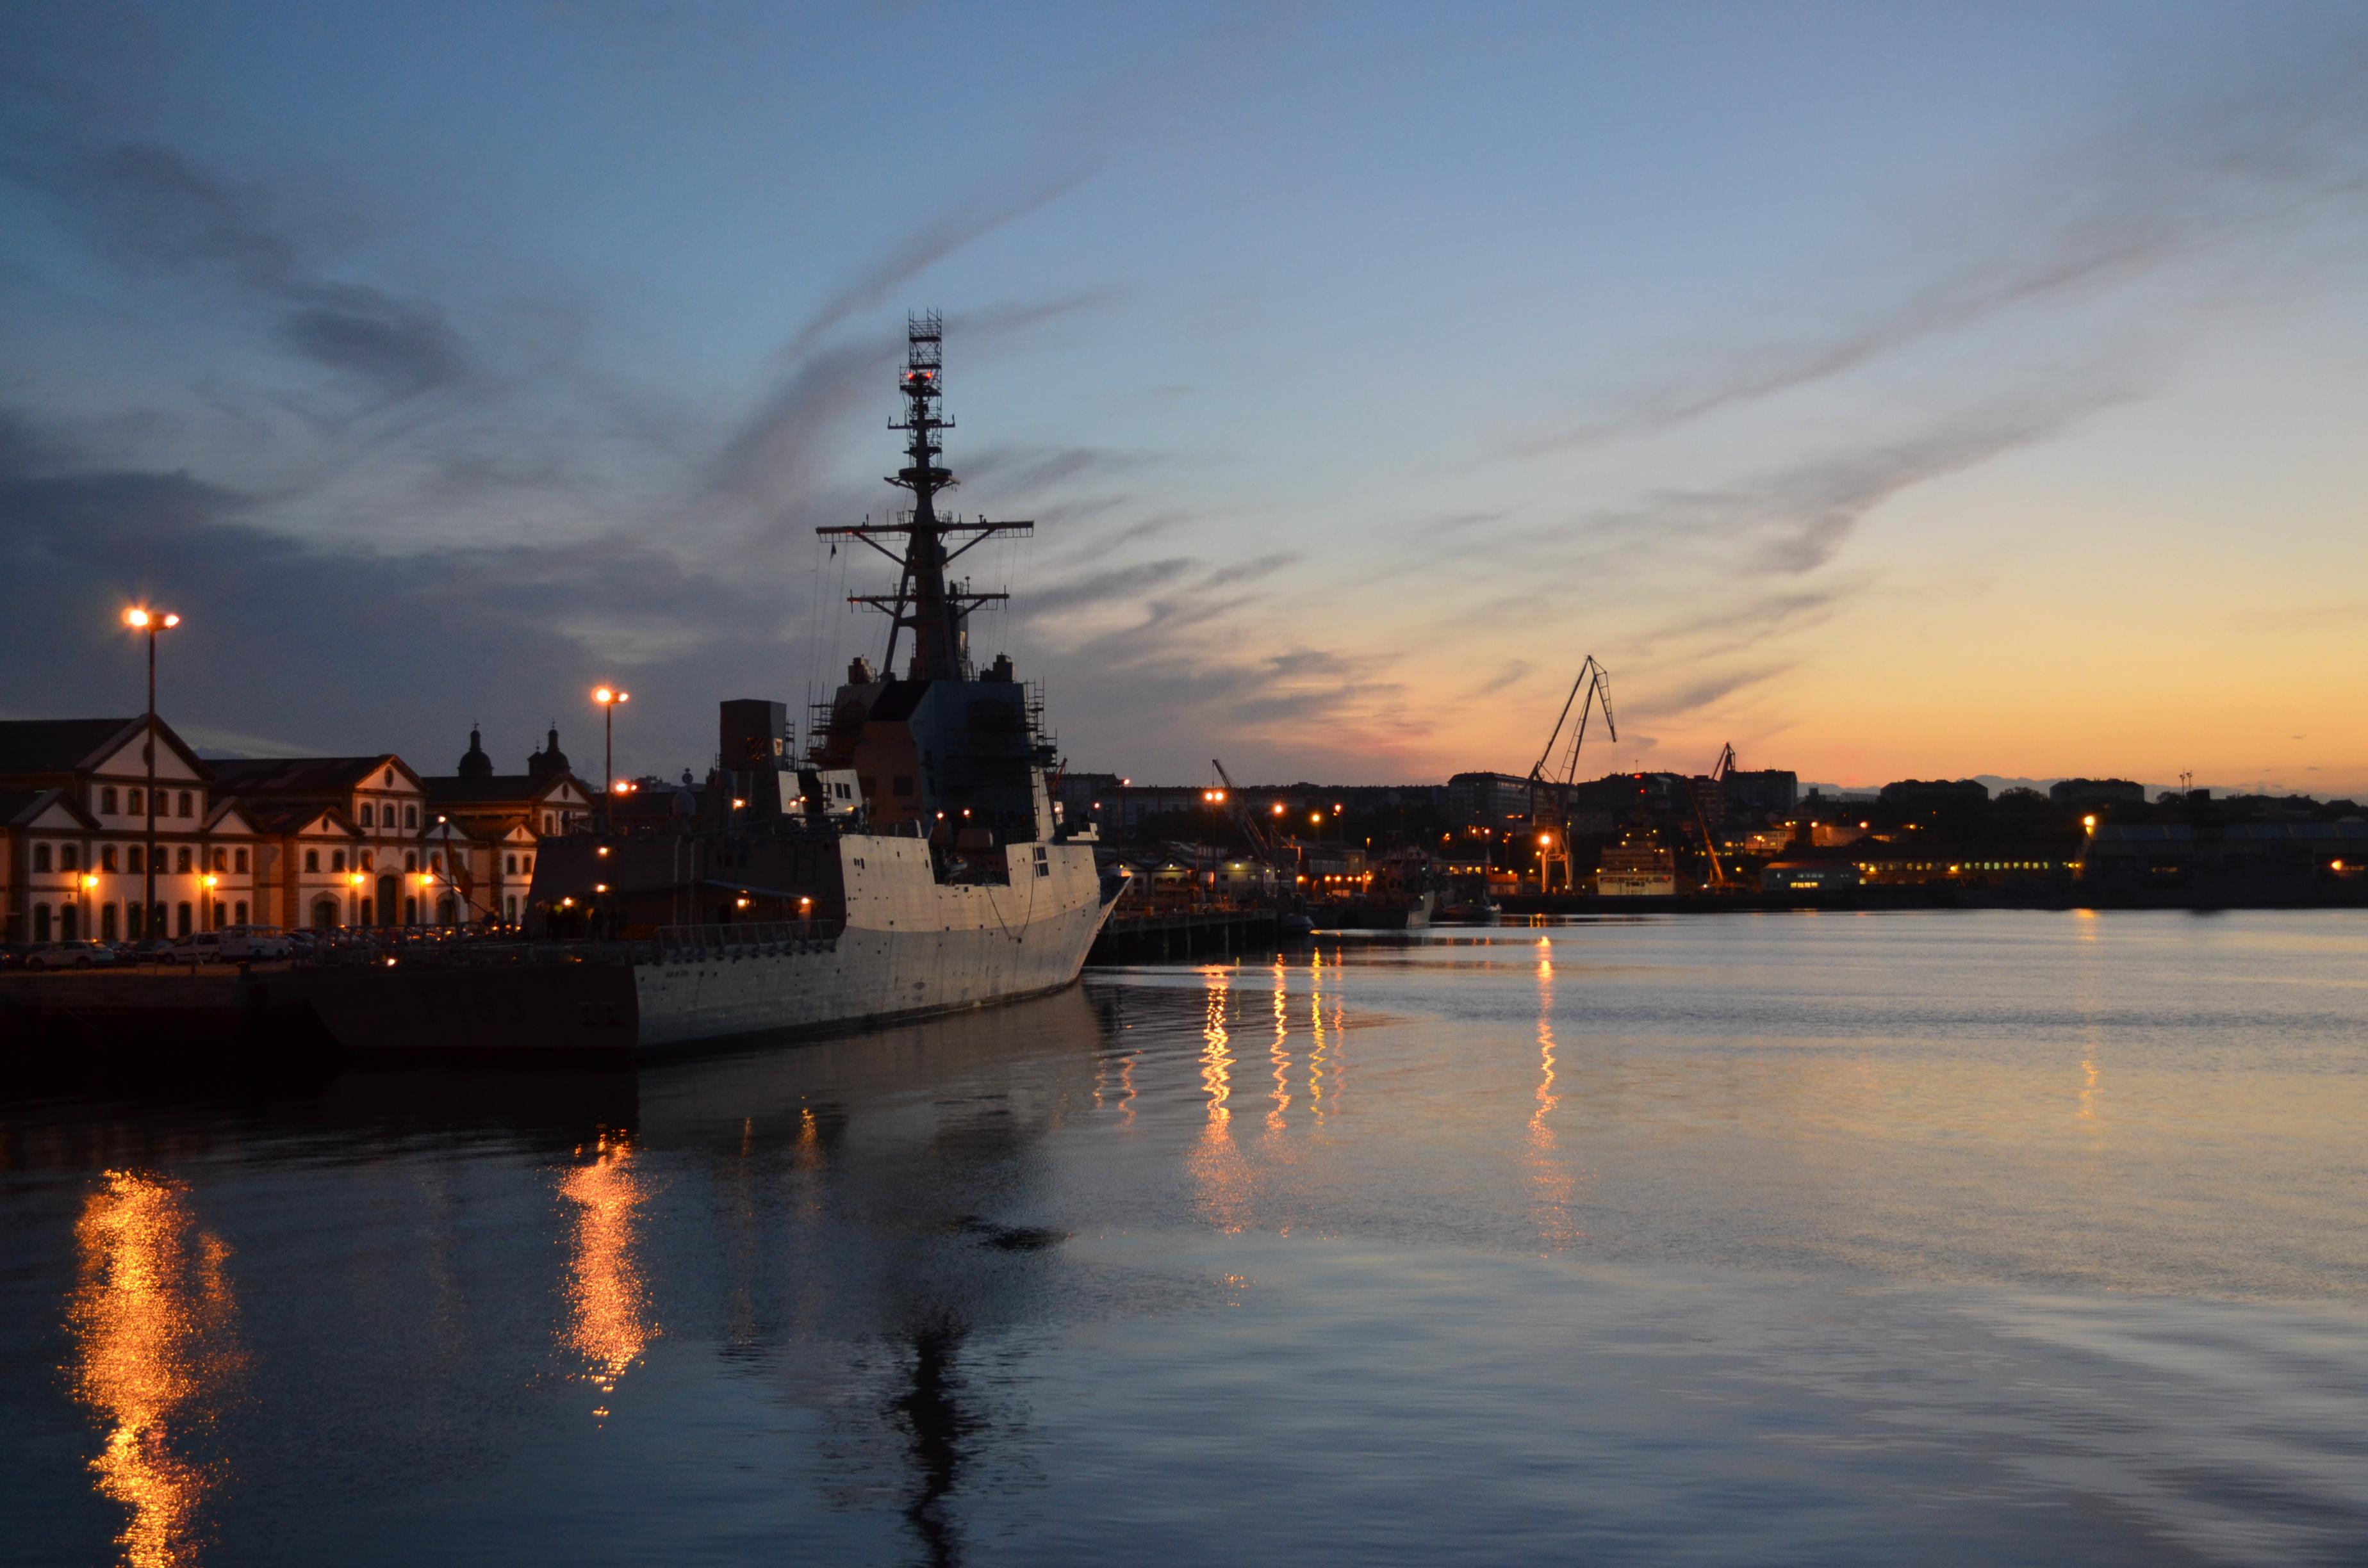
<point x="1891" y="391"/>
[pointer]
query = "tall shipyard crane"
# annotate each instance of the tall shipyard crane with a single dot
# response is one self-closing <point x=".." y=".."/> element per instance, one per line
<point x="1718" y="772"/>
<point x="1261" y="841"/>
<point x="1554" y="776"/>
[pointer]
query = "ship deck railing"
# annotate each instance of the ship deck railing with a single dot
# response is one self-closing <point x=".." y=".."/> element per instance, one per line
<point x="677" y="944"/>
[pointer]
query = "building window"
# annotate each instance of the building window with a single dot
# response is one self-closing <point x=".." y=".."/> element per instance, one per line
<point x="436" y="861"/>
<point x="509" y="864"/>
<point x="183" y="923"/>
<point x="411" y="816"/>
<point x="132" y="858"/>
<point x="186" y="804"/>
<point x="107" y="799"/>
<point x="389" y="778"/>
<point x="369" y="915"/>
<point x="238" y="860"/>
<point x="221" y="859"/>
<point x="311" y="860"/>
<point x="181" y="861"/>
<point x="106" y="923"/>
<point x="367" y="820"/>
<point x="338" y="863"/>
<point x="241" y="907"/>
<point x="70" y="922"/>
<point x="107" y="857"/>
<point x="546" y="822"/>
<point x="370" y="862"/>
<point x="69" y="858"/>
<point x="40" y="857"/>
<point x="527" y="861"/>
<point x="41" y="923"/>
<point x="132" y="803"/>
<point x="510" y="909"/>
<point x="411" y="912"/>
<point x="218" y="921"/>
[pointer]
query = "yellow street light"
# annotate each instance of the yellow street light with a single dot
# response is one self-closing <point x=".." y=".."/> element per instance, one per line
<point x="210" y="881"/>
<point x="2089" y="822"/>
<point x="355" y="878"/>
<point x="88" y="883"/>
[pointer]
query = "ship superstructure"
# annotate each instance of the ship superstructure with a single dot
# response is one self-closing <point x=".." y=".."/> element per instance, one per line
<point x="911" y="862"/>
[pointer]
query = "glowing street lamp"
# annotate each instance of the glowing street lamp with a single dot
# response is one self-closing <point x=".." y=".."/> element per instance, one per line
<point x="607" y="697"/>
<point x="149" y="622"/>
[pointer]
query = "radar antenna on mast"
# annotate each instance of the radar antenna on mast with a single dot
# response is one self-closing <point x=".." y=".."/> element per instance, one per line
<point x="936" y="610"/>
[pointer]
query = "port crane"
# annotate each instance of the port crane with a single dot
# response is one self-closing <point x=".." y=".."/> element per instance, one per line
<point x="1262" y="842"/>
<point x="1554" y="775"/>
<point x="1719" y="880"/>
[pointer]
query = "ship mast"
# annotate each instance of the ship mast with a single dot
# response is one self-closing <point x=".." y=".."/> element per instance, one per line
<point x="936" y="609"/>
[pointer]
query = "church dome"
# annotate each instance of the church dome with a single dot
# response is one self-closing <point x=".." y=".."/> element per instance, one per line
<point x="550" y="759"/>
<point x="475" y="763"/>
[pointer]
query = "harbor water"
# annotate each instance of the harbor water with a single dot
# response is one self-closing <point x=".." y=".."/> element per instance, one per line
<point x="1969" y="1237"/>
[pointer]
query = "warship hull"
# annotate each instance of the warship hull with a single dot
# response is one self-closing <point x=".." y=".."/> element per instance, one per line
<point x="910" y="946"/>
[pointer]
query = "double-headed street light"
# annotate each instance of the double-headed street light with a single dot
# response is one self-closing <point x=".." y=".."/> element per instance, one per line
<point x="151" y="621"/>
<point x="607" y="697"/>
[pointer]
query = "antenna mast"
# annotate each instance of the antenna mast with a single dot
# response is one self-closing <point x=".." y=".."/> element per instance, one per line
<point x="936" y="610"/>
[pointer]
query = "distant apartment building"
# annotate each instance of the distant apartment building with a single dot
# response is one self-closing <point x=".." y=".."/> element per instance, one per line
<point x="1489" y="800"/>
<point x="1758" y="794"/>
<point x="2096" y="792"/>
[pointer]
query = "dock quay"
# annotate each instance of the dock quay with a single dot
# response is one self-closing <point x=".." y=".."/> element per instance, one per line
<point x="1137" y="939"/>
<point x="154" y="1010"/>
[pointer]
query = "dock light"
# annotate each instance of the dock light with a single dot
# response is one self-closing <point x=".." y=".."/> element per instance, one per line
<point x="602" y="850"/>
<point x="1545" y="841"/>
<point x="2089" y="822"/>
<point x="2335" y="865"/>
<point x="1336" y="809"/>
<point x="742" y="903"/>
<point x="1315" y="819"/>
<point x="607" y="697"/>
<point x="599" y="887"/>
<point x="566" y="903"/>
<point x="1278" y="807"/>
<point x="737" y="804"/>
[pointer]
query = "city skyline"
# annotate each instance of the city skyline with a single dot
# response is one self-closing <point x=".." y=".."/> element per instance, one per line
<point x="1968" y="392"/>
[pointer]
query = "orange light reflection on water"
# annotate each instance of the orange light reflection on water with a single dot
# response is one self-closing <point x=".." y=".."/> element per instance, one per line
<point x="1278" y="1055"/>
<point x="1551" y="1179"/>
<point x="608" y="1313"/>
<point x="151" y="1318"/>
<point x="1218" y="1168"/>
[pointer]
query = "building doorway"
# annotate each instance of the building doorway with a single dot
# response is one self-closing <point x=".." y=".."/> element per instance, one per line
<point x="324" y="913"/>
<point x="386" y="897"/>
<point x="106" y="923"/>
<point x="70" y="922"/>
<point x="41" y="923"/>
<point x="447" y="912"/>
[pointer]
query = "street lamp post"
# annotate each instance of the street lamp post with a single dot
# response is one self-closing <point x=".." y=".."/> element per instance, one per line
<point x="150" y="622"/>
<point x="607" y="697"/>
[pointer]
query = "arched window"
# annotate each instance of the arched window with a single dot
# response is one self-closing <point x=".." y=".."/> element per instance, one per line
<point x="447" y="912"/>
<point x="107" y="857"/>
<point x="182" y="924"/>
<point x="366" y="818"/>
<point x="338" y="863"/>
<point x="509" y="864"/>
<point x="411" y="816"/>
<point x="370" y="862"/>
<point x="238" y="860"/>
<point x="411" y="912"/>
<point x="69" y="858"/>
<point x="221" y="859"/>
<point x="218" y="921"/>
<point x="369" y="913"/>
<point x="311" y="860"/>
<point x="389" y="778"/>
<point x="181" y="861"/>
<point x="40" y="857"/>
<point x="106" y="923"/>
<point x="241" y="907"/>
<point x="41" y="923"/>
<point x="510" y="909"/>
<point x="107" y="799"/>
<point x="131" y="801"/>
<point x="547" y="820"/>
<point x="436" y="861"/>
<point x="132" y="858"/>
<point x="186" y="804"/>
<point x="411" y="859"/>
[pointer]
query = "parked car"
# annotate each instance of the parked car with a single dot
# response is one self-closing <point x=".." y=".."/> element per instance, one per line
<point x="245" y="944"/>
<point x="70" y="955"/>
<point x="148" y="949"/>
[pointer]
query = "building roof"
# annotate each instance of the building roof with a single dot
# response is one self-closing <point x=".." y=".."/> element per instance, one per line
<point x="304" y="774"/>
<point x="57" y="745"/>
<point x="497" y="789"/>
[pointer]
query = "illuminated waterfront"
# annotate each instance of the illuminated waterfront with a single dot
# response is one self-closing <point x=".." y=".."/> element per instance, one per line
<point x="2025" y="1237"/>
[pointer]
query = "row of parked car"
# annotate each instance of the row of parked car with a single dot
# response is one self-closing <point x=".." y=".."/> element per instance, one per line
<point x="234" y="944"/>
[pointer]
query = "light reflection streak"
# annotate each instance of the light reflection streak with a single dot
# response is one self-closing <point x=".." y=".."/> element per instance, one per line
<point x="1217" y="1165"/>
<point x="1278" y="1055"/>
<point x="150" y="1319"/>
<point x="1551" y="1179"/>
<point x="608" y="1316"/>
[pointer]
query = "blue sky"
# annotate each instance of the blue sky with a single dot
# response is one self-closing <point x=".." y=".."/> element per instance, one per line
<point x="1890" y="391"/>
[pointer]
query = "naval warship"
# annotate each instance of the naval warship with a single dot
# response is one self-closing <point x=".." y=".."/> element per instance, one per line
<point x="911" y="862"/>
